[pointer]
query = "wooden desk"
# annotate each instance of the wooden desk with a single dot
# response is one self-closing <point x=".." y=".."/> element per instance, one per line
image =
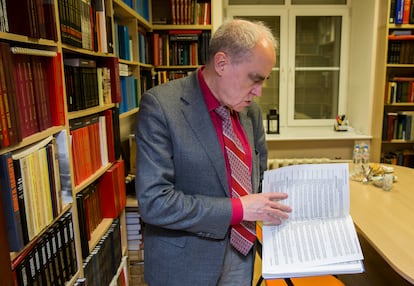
<point x="386" y="219"/>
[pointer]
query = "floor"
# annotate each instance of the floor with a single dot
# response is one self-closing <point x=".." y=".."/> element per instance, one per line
<point x="377" y="271"/>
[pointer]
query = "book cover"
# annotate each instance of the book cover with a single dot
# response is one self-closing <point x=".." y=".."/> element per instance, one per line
<point x="41" y="96"/>
<point x="406" y="12"/>
<point x="50" y="19"/>
<point x="11" y="203"/>
<point x="84" y="238"/>
<point x="399" y="11"/>
<point x="319" y="236"/>
<point x="27" y="126"/>
<point x="7" y="82"/>
<point x="112" y="190"/>
<point x="113" y="64"/>
<point x="68" y="221"/>
<point x="56" y="92"/>
<point x="116" y="132"/>
<point x="109" y="135"/>
<point x="23" y="25"/>
<point x="4" y="109"/>
<point x="21" y="199"/>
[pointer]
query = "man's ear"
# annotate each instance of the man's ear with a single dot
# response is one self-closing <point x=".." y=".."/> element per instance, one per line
<point x="220" y="62"/>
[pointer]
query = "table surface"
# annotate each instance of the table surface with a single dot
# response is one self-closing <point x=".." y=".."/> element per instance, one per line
<point x="386" y="219"/>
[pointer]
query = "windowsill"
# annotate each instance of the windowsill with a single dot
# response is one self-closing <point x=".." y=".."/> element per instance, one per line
<point x="309" y="133"/>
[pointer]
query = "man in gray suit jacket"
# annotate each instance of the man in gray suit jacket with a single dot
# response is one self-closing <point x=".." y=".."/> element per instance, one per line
<point x="183" y="176"/>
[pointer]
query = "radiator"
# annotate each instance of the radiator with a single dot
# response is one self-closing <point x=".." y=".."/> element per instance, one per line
<point x="277" y="163"/>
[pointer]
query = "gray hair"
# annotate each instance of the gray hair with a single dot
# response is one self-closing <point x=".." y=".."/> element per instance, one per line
<point x="238" y="37"/>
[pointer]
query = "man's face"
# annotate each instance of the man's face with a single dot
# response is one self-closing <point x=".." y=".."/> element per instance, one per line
<point x="242" y="81"/>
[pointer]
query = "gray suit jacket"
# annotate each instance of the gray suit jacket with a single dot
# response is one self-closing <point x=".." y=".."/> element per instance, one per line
<point x="182" y="186"/>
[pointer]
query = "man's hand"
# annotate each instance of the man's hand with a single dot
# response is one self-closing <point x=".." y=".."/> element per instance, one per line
<point x="265" y="207"/>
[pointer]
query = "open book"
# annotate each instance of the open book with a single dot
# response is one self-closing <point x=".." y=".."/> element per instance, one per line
<point x="319" y="236"/>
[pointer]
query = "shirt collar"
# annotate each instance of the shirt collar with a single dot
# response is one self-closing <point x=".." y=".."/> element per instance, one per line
<point x="209" y="98"/>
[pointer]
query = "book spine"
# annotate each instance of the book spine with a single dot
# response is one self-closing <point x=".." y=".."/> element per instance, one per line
<point x="11" y="202"/>
<point x="399" y="11"/>
<point x="392" y="11"/>
<point x="9" y="94"/>
<point x="21" y="199"/>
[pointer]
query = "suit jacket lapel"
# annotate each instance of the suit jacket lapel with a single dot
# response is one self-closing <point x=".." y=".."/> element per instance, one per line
<point x="195" y="111"/>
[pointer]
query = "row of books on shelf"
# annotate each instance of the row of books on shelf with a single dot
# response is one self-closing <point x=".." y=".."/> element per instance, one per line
<point x="87" y="85"/>
<point x="398" y="126"/>
<point x="190" y="12"/>
<point x="102" y="264"/>
<point x="31" y="190"/>
<point x="399" y="157"/>
<point x="104" y="198"/>
<point x="51" y="259"/>
<point x="95" y="142"/>
<point x="400" y="52"/>
<point x="180" y="47"/>
<point x="399" y="90"/>
<point x="31" y="92"/>
<point x="86" y="24"/>
<point x="143" y="47"/>
<point x="123" y="46"/>
<point x="140" y="6"/>
<point x="129" y="92"/>
<point x="134" y="226"/>
<point x="36" y="18"/>
<point x="401" y="12"/>
<point x="162" y="76"/>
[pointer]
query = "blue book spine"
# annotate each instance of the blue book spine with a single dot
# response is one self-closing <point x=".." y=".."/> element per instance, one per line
<point x="399" y="11"/>
<point x="10" y="203"/>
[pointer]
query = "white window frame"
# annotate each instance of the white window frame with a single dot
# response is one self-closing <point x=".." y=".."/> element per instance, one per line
<point x="287" y="14"/>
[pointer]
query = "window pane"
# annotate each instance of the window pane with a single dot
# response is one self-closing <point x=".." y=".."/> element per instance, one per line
<point x="316" y="94"/>
<point x="256" y="2"/>
<point x="322" y="2"/>
<point x="270" y="91"/>
<point x="317" y="65"/>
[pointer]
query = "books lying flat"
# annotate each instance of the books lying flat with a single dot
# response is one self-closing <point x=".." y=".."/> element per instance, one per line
<point x="319" y="236"/>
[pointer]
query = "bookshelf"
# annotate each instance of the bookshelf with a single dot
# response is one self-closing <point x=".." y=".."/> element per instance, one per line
<point x="60" y="143"/>
<point x="397" y="137"/>
<point x="180" y="37"/>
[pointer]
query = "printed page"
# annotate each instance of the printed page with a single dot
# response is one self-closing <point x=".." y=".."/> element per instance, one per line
<point x="310" y="243"/>
<point x="315" y="190"/>
<point x="319" y="232"/>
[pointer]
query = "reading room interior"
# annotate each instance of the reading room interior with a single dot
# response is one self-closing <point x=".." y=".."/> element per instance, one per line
<point x="117" y="168"/>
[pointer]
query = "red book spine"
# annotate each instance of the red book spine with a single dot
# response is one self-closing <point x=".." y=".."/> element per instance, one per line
<point x="121" y="185"/>
<point x="107" y="189"/>
<point x="9" y="95"/>
<point x="29" y="93"/>
<point x="4" y="133"/>
<point x="113" y="64"/>
<point x="110" y="135"/>
<point x="406" y="12"/>
<point x="55" y="85"/>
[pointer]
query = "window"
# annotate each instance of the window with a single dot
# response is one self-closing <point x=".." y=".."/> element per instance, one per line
<point x="307" y="85"/>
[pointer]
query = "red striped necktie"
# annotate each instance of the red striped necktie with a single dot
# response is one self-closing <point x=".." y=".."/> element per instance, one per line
<point x="243" y="235"/>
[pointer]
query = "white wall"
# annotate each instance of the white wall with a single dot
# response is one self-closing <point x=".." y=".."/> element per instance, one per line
<point x="362" y="53"/>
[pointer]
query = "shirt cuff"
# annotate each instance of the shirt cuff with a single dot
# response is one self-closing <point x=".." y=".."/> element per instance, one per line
<point x="237" y="215"/>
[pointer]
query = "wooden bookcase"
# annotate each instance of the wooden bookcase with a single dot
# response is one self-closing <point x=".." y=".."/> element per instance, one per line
<point x="78" y="61"/>
<point x="41" y="122"/>
<point x="181" y="33"/>
<point x="397" y="99"/>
